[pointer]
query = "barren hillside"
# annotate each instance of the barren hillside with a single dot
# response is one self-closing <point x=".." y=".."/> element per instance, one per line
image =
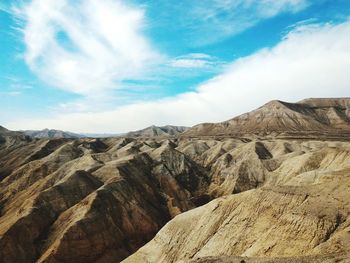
<point x="310" y="118"/>
<point x="184" y="199"/>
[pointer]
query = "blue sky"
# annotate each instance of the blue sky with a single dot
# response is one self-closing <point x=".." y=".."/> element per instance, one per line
<point x="114" y="66"/>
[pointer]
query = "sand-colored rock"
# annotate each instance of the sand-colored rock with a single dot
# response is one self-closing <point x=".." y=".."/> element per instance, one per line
<point x="91" y="200"/>
<point x="299" y="211"/>
<point x="269" y="186"/>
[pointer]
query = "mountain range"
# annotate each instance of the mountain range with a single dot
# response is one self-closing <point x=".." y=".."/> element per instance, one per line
<point x="152" y="131"/>
<point x="271" y="185"/>
<point x="52" y="134"/>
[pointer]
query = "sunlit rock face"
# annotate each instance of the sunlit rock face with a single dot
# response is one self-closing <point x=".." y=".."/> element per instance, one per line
<point x="262" y="196"/>
<point x="290" y="207"/>
<point x="91" y="200"/>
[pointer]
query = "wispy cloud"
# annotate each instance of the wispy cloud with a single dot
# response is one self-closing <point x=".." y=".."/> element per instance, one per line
<point x="308" y="62"/>
<point x="5" y="8"/>
<point x="85" y="46"/>
<point x="15" y="86"/>
<point x="302" y="23"/>
<point x="195" y="61"/>
<point x="91" y="47"/>
<point x="211" y="21"/>
<point x="11" y="93"/>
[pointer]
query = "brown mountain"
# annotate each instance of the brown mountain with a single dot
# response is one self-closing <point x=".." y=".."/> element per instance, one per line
<point x="309" y="118"/>
<point x="11" y="138"/>
<point x="157" y="131"/>
<point x="90" y="200"/>
<point x="6" y="132"/>
<point x="276" y="201"/>
<point x="52" y="134"/>
<point x="182" y="199"/>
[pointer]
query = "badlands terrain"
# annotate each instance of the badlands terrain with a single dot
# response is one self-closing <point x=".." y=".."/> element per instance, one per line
<point x="272" y="185"/>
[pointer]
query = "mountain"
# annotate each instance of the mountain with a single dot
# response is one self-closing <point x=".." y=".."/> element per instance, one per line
<point x="4" y="131"/>
<point x="91" y="200"/>
<point x="152" y="131"/>
<point x="308" y="118"/>
<point x="274" y="201"/>
<point x="155" y="131"/>
<point x="11" y="138"/>
<point x="99" y="200"/>
<point x="259" y="198"/>
<point x="51" y="134"/>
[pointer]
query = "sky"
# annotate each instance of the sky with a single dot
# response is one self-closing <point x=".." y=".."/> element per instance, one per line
<point x="110" y="66"/>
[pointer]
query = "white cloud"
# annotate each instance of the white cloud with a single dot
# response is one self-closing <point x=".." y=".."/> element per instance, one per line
<point x="269" y="8"/>
<point x="199" y="56"/>
<point x="195" y="61"/>
<point x="311" y="61"/>
<point x="190" y="63"/>
<point x="90" y="47"/>
<point x="11" y="93"/>
<point x="85" y="46"/>
<point x="213" y="20"/>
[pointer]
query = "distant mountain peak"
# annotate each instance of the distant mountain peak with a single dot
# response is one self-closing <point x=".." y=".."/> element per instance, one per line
<point x="317" y="116"/>
<point x="158" y="131"/>
<point x="52" y="133"/>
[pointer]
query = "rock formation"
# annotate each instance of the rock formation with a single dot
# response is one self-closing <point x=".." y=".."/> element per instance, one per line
<point x="91" y="200"/>
<point x="267" y="195"/>
<point x="298" y="207"/>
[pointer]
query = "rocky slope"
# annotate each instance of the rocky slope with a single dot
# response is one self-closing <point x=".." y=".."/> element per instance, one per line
<point x="94" y="200"/>
<point x="310" y="118"/>
<point x="249" y="198"/>
<point x="91" y="200"/>
<point x="291" y="200"/>
<point x="155" y="131"/>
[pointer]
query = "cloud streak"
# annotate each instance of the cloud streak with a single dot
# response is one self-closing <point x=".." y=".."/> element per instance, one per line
<point x="196" y="61"/>
<point x="85" y="46"/>
<point x="311" y="61"/>
<point x="211" y="21"/>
